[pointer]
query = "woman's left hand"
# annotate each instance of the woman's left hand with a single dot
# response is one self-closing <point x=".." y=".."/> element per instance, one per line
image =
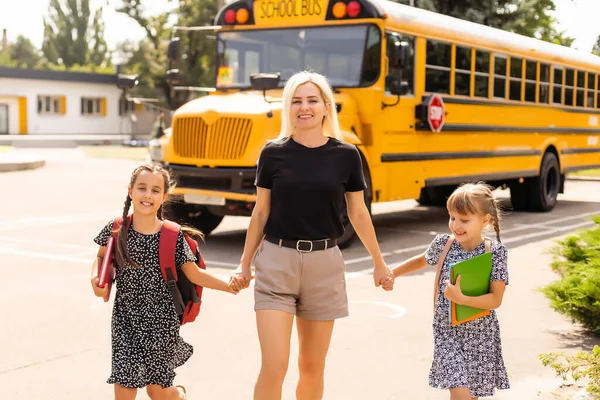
<point x="453" y="292"/>
<point x="382" y="274"/>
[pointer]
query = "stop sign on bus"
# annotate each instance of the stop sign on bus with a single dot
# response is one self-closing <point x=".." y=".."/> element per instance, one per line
<point x="436" y="112"/>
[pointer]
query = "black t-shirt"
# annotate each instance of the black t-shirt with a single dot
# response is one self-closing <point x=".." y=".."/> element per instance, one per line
<point x="307" y="187"/>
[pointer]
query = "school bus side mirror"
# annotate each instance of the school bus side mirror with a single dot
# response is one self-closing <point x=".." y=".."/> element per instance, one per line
<point x="400" y="55"/>
<point x="264" y="81"/>
<point x="173" y="76"/>
<point x="174" y="49"/>
<point x="396" y="87"/>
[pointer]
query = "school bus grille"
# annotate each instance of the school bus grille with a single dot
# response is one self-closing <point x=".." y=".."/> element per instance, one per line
<point x="226" y="139"/>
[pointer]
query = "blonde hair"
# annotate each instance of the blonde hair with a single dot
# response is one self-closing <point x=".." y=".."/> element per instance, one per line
<point x="476" y="198"/>
<point x="330" y="121"/>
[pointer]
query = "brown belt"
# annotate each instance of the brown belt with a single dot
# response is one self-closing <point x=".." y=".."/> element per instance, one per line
<point x="303" y="246"/>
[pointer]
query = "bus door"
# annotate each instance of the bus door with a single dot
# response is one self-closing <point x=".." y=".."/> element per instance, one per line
<point x="397" y="122"/>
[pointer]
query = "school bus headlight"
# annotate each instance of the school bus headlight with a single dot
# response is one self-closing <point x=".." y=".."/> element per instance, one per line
<point x="339" y="10"/>
<point x="242" y="15"/>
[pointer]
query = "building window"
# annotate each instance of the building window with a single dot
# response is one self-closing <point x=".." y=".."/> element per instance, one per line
<point x="93" y="106"/>
<point x="126" y="106"/>
<point x="53" y="105"/>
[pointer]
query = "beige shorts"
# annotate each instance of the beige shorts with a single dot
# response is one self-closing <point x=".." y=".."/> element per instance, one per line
<point x="310" y="285"/>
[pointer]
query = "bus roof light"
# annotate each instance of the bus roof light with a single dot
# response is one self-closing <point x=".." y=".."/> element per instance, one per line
<point x="339" y="9"/>
<point x="353" y="9"/>
<point x="242" y="15"/>
<point x="230" y="17"/>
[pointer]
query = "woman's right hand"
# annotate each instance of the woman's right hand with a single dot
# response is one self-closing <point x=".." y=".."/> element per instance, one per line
<point x="241" y="278"/>
<point x="98" y="291"/>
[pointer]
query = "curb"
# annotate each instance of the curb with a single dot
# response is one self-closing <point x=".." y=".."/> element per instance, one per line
<point x="584" y="178"/>
<point x="11" y="166"/>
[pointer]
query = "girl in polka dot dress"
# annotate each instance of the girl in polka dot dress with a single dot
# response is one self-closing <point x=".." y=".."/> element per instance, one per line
<point x="467" y="358"/>
<point x="146" y="346"/>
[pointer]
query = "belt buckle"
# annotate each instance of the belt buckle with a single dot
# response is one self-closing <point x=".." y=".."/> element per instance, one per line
<point x="306" y="241"/>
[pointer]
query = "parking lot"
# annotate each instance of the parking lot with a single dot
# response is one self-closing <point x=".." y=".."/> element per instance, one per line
<point x="55" y="334"/>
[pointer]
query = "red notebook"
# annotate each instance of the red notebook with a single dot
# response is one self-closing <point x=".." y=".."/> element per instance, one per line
<point x="106" y="274"/>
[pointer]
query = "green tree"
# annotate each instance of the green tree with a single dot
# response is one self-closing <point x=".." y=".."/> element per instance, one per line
<point x="24" y="53"/>
<point x="596" y="48"/>
<point x="149" y="58"/>
<point x="98" y="54"/>
<point x="527" y="17"/>
<point x="71" y="37"/>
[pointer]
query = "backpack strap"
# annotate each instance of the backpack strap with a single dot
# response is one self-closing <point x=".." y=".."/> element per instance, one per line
<point x="488" y="244"/>
<point x="167" y="245"/>
<point x="439" y="269"/>
<point x="117" y="222"/>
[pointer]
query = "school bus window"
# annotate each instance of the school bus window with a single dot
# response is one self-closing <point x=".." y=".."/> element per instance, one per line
<point x="371" y="63"/>
<point x="591" y="92"/>
<point x="544" y="88"/>
<point x="569" y="87"/>
<point x="340" y="52"/>
<point x="557" y="97"/>
<point x="530" y="80"/>
<point x="482" y="73"/>
<point x="580" y="88"/>
<point x="462" y="67"/>
<point x="408" y="72"/>
<point x="500" y="76"/>
<point x="516" y="78"/>
<point x="437" y="77"/>
<point x="316" y="61"/>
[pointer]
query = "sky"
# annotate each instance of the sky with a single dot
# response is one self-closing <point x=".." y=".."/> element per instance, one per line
<point x="577" y="17"/>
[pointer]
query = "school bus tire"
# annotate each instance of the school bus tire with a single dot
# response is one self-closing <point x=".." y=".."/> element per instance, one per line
<point x="435" y="196"/>
<point x="518" y="197"/>
<point x="196" y="216"/>
<point x="542" y="190"/>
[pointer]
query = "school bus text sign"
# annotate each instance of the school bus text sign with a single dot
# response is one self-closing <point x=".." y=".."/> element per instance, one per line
<point x="281" y="12"/>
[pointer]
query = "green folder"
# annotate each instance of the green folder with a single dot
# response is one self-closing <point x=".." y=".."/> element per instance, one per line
<point x="475" y="276"/>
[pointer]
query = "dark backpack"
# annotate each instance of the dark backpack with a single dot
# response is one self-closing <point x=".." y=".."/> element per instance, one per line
<point x="187" y="296"/>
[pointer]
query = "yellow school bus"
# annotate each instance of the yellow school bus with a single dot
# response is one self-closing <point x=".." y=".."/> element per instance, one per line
<point x="429" y="100"/>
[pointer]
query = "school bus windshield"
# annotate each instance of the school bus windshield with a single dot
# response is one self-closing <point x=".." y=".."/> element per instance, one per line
<point x="350" y="56"/>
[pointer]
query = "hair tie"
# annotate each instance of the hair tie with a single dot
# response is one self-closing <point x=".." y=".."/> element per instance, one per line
<point x="498" y="237"/>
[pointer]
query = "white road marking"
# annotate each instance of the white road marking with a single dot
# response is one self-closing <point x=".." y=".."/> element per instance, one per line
<point x="399" y="310"/>
<point x="30" y="222"/>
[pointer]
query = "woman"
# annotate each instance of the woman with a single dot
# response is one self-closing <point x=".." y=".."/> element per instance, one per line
<point x="302" y="178"/>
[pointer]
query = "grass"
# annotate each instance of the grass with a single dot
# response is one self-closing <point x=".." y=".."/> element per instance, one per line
<point x="131" y="153"/>
<point x="587" y="172"/>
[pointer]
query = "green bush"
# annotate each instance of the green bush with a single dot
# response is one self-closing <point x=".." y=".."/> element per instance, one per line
<point x="584" y="365"/>
<point x="577" y="293"/>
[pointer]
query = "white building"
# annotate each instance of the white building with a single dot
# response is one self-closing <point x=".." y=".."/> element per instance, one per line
<point x="41" y="102"/>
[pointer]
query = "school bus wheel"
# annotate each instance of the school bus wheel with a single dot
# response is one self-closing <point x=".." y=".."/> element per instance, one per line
<point x="194" y="215"/>
<point x="543" y="190"/>
<point x="435" y="196"/>
<point x="538" y="193"/>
